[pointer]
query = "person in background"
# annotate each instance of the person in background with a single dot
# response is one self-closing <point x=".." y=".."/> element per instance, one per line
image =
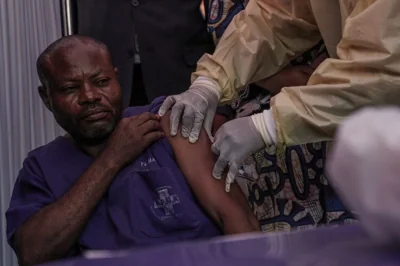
<point x="292" y="178"/>
<point x="115" y="180"/>
<point x="171" y="45"/>
<point x="364" y="169"/>
<point x="363" y="70"/>
<point x="155" y="44"/>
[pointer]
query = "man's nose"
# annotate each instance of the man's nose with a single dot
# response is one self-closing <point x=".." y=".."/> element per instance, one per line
<point x="89" y="94"/>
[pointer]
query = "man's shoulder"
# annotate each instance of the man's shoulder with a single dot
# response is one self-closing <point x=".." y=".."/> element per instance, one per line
<point x="46" y="149"/>
<point x="50" y="155"/>
<point x="37" y="159"/>
<point x="152" y="108"/>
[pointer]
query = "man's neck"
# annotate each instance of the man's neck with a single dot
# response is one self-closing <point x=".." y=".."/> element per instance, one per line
<point x="91" y="150"/>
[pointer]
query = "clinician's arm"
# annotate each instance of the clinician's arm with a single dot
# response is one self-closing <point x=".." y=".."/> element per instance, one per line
<point x="229" y="210"/>
<point x="366" y="73"/>
<point x="259" y="41"/>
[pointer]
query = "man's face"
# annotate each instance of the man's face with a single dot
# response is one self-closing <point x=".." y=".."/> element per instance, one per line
<point x="83" y="92"/>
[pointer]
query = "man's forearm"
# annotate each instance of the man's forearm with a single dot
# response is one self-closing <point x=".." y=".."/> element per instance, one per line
<point x="51" y="232"/>
<point x="238" y="218"/>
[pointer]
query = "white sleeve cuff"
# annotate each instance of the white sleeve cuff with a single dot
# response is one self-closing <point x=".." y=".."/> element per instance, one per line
<point x="265" y="124"/>
<point x="208" y="83"/>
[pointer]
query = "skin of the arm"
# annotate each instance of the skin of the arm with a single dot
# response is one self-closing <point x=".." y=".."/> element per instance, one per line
<point x="231" y="210"/>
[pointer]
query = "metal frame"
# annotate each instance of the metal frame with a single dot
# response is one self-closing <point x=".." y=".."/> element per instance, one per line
<point x="68" y="17"/>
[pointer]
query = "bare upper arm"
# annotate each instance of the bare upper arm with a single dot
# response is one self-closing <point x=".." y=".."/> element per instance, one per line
<point x="196" y="161"/>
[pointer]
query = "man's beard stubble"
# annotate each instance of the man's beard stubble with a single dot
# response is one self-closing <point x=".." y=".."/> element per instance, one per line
<point x="84" y="133"/>
<point x="94" y="136"/>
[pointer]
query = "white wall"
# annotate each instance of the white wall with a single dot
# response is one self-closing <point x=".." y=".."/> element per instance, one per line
<point x="26" y="28"/>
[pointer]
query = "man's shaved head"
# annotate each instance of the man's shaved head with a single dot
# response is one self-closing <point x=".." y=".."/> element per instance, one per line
<point x="63" y="45"/>
<point x="80" y="87"/>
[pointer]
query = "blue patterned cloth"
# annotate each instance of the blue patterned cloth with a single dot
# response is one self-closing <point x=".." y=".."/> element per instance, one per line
<point x="287" y="188"/>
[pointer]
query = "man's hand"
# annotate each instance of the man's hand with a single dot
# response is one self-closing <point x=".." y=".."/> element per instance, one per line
<point x="196" y="106"/>
<point x="132" y="136"/>
<point x="234" y="142"/>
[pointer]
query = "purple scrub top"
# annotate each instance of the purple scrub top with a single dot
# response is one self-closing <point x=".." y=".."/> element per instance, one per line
<point x="149" y="202"/>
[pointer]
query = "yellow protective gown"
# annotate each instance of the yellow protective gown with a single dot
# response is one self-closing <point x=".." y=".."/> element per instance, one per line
<point x="362" y="38"/>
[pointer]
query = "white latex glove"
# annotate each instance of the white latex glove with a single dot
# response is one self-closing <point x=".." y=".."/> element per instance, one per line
<point x="196" y="106"/>
<point x="364" y="168"/>
<point x="236" y="140"/>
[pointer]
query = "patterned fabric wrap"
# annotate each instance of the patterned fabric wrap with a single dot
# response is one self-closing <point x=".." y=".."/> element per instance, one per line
<point x="287" y="188"/>
<point x="221" y="13"/>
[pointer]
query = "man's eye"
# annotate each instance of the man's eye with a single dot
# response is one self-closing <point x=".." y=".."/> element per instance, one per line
<point x="68" y="88"/>
<point x="102" y="82"/>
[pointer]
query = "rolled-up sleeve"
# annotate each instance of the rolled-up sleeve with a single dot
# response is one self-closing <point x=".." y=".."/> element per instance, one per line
<point x="367" y="72"/>
<point x="259" y="41"/>
<point x="30" y="194"/>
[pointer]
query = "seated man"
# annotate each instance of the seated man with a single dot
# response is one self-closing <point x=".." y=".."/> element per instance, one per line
<point x="114" y="181"/>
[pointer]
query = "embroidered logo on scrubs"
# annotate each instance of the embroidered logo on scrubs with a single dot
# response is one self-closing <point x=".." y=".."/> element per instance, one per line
<point x="166" y="203"/>
<point x="147" y="162"/>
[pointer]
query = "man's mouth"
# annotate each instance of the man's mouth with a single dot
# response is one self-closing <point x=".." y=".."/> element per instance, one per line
<point x="96" y="116"/>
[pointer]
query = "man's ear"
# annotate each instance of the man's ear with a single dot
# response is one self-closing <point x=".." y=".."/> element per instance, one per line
<point x="45" y="97"/>
<point x="116" y="71"/>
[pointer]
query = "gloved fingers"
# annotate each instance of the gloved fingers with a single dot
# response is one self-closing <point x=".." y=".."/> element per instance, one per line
<point x="175" y="117"/>
<point x="219" y="167"/>
<point x="187" y="121"/>
<point x="208" y="122"/>
<point x="209" y="134"/>
<point x="215" y="148"/>
<point x="233" y="171"/>
<point x="197" y="127"/>
<point x="167" y="104"/>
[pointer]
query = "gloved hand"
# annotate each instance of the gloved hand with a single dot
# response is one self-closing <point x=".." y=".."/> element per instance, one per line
<point x="196" y="106"/>
<point x="236" y="140"/>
